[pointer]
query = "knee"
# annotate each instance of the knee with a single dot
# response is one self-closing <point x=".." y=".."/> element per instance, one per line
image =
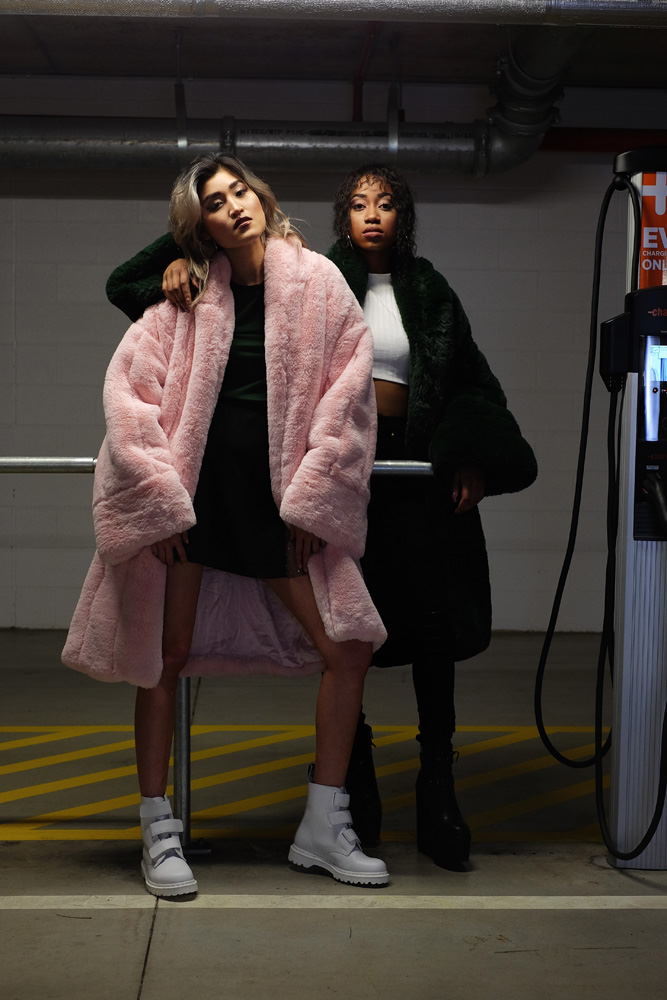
<point x="174" y="658"/>
<point x="352" y="659"/>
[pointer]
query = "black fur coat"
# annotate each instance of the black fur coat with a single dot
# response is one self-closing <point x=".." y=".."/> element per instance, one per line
<point x="457" y="416"/>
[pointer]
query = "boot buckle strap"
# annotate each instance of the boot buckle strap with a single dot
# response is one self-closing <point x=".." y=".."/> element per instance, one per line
<point x="350" y="839"/>
<point x="341" y="800"/>
<point x="162" y="846"/>
<point x="339" y="817"/>
<point x="150" y="809"/>
<point x="162" y="826"/>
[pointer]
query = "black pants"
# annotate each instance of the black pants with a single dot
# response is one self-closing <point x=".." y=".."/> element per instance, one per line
<point x="434" y="689"/>
<point x="404" y="578"/>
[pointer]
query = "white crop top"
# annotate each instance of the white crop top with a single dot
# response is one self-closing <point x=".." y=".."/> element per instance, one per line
<point x="391" y="350"/>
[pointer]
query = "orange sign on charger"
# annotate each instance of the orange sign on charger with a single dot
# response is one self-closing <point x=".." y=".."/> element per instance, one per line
<point x="653" y="253"/>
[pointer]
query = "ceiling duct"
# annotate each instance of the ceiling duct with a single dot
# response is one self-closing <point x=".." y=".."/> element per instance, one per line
<point x="527" y="87"/>
<point x="638" y="13"/>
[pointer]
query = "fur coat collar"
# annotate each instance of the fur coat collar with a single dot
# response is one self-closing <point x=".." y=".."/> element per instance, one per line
<point x="457" y="411"/>
<point x="160" y="392"/>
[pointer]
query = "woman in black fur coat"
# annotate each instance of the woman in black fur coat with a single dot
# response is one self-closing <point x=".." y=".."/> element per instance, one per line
<point x="425" y="562"/>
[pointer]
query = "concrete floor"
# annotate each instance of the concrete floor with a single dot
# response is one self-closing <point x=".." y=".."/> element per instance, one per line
<point x="541" y="913"/>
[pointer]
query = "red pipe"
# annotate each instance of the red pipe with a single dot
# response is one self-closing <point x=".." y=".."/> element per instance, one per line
<point x="601" y="140"/>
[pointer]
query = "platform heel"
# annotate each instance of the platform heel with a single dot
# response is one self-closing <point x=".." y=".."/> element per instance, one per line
<point x="442" y="832"/>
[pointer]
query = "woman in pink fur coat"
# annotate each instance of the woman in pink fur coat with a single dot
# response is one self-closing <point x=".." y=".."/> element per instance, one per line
<point x="230" y="503"/>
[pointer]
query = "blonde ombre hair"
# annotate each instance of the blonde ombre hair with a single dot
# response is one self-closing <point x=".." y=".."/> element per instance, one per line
<point x="185" y="212"/>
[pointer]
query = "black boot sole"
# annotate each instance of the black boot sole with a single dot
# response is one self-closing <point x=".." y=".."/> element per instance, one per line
<point x="452" y="855"/>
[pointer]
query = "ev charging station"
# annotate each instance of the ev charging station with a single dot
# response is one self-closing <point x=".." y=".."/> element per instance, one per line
<point x="640" y="618"/>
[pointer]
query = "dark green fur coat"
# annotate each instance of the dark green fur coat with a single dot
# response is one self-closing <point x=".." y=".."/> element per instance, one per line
<point x="457" y="411"/>
<point x="457" y="416"/>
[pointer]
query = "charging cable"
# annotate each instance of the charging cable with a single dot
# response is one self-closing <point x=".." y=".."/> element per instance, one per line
<point x="620" y="182"/>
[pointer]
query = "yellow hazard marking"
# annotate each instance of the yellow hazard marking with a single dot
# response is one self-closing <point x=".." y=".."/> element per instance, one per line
<point x="474" y="741"/>
<point x="513" y="809"/>
<point x="488" y="777"/>
<point x="64" y="758"/>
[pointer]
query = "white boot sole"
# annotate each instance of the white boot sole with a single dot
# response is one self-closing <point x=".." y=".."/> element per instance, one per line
<point x="186" y="888"/>
<point x="304" y="859"/>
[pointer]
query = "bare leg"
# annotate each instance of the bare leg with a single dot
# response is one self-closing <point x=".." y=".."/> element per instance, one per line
<point x="341" y="687"/>
<point x="154" y="707"/>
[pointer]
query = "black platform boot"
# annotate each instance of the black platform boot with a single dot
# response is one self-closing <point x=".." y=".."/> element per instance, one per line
<point x="442" y="832"/>
<point x="361" y="785"/>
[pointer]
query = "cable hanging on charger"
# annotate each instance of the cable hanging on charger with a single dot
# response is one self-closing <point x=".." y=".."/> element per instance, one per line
<point x="615" y="378"/>
<point x="618" y="183"/>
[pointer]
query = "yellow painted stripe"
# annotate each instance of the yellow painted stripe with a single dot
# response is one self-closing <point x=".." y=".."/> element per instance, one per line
<point x="65" y="758"/>
<point x="403" y="735"/>
<point x="520" y="808"/>
<point x="292" y="727"/>
<point x="53" y="736"/>
<point x="284" y="736"/>
<point x="72" y="730"/>
<point x="79" y="781"/>
<point x="252" y="771"/>
<point x="252" y="802"/>
<point x="198" y="729"/>
<point x="87" y="809"/>
<point x="226" y="809"/>
<point x="525" y="767"/>
<point x="396" y="802"/>
<point x="97" y="777"/>
<point x="19" y="831"/>
<point x="120" y="802"/>
<point x="123" y="801"/>
<point x="551" y="730"/>
<point x="274" y="727"/>
<point x="481" y="746"/>
<point x="538" y="837"/>
<point x="522" y="735"/>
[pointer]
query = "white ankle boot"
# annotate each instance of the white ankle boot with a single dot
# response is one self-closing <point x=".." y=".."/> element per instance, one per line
<point x="164" y="868"/>
<point x="325" y="839"/>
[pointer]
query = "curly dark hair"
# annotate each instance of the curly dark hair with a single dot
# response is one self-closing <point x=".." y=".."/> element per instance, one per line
<point x="401" y="196"/>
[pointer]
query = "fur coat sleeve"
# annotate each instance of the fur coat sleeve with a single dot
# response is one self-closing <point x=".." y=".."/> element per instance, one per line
<point x="476" y="427"/>
<point x="138" y="496"/>
<point x="328" y="493"/>
<point x="137" y="283"/>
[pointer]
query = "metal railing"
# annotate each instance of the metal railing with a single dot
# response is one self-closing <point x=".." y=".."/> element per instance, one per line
<point x="181" y="769"/>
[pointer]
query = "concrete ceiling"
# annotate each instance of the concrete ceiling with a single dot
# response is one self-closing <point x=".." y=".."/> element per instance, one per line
<point x="318" y="50"/>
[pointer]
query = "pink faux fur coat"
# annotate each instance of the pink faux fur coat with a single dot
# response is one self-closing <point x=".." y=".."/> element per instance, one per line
<point x="160" y="392"/>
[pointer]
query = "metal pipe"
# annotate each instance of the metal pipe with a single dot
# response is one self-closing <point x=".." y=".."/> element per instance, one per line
<point x="182" y="766"/>
<point x="402" y="468"/>
<point x="118" y="143"/>
<point x="114" y="144"/>
<point x="637" y="13"/>
<point x="11" y="464"/>
<point x="20" y="464"/>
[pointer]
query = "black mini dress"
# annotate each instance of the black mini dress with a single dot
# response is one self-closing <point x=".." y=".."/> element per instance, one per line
<point x="238" y="527"/>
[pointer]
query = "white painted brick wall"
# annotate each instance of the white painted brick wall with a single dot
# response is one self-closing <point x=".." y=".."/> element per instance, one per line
<point x="518" y="250"/>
